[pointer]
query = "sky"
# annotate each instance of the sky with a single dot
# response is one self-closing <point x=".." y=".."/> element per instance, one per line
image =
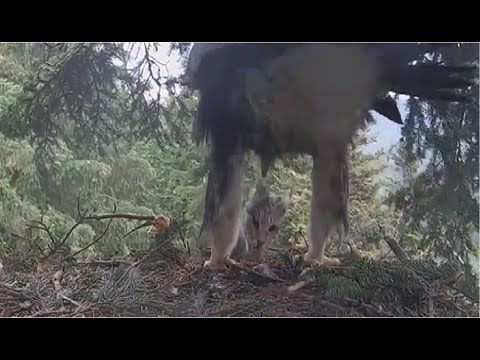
<point x="386" y="131"/>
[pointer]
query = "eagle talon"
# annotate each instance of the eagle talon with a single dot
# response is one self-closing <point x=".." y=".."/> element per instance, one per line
<point x="219" y="265"/>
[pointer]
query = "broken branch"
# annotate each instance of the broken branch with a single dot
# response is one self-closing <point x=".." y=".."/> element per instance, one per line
<point x="120" y="216"/>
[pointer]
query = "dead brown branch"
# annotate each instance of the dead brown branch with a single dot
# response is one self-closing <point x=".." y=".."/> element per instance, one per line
<point x="393" y="244"/>
<point x="14" y="292"/>
<point x="49" y="313"/>
<point x="120" y="216"/>
<point x="396" y="248"/>
<point x="82" y="217"/>
<point x="147" y="223"/>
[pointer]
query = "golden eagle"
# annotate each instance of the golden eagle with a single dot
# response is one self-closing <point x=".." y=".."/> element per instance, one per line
<point x="301" y="98"/>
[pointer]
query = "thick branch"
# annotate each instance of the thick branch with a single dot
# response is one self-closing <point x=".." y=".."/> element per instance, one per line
<point x="120" y="216"/>
<point x="396" y="248"/>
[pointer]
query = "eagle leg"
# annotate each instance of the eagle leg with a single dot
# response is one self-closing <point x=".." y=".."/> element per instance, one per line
<point x="326" y="206"/>
<point x="223" y="207"/>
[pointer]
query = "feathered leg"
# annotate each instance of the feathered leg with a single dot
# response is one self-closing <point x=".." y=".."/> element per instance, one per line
<point x="241" y="248"/>
<point x="343" y="224"/>
<point x="223" y="205"/>
<point x="326" y="207"/>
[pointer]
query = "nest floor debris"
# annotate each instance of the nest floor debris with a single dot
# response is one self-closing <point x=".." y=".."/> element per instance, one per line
<point x="168" y="283"/>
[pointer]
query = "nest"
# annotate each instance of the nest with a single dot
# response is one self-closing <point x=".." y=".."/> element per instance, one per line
<point x="166" y="281"/>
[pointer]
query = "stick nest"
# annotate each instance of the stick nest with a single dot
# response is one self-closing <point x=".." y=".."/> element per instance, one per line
<point x="167" y="281"/>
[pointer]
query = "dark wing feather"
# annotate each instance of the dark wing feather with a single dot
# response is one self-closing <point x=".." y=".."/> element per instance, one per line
<point x="387" y="107"/>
